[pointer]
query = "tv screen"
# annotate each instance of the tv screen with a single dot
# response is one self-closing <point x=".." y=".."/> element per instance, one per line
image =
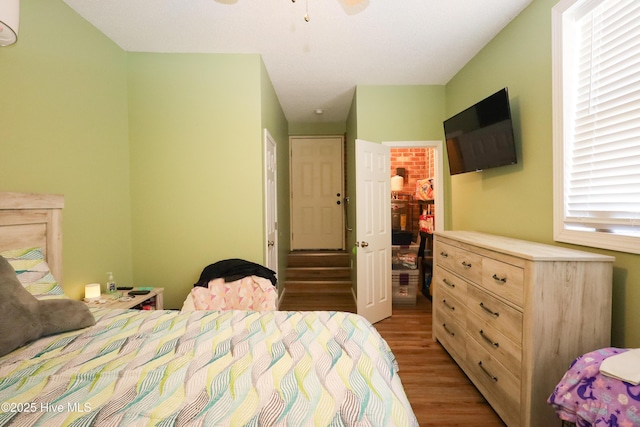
<point x="481" y="137"/>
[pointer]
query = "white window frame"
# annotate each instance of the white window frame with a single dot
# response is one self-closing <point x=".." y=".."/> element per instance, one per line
<point x="562" y="20"/>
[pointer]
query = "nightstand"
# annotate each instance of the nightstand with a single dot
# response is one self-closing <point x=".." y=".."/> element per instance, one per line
<point x="153" y="300"/>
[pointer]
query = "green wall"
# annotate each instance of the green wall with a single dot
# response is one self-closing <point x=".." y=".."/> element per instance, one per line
<point x="400" y="113"/>
<point x="516" y="201"/>
<point x="511" y="200"/>
<point x="63" y="129"/>
<point x="196" y="124"/>
<point x="159" y="156"/>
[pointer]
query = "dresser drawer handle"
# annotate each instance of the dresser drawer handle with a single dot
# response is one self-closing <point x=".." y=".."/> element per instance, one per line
<point x="444" y="254"/>
<point x="465" y="264"/>
<point x="499" y="279"/>
<point x="489" y="340"/>
<point x="491" y="312"/>
<point x="444" y="325"/>
<point x="494" y="379"/>
<point x="449" y="284"/>
<point x="446" y="304"/>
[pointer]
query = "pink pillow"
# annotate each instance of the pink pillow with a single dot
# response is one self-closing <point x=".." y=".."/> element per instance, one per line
<point x="249" y="293"/>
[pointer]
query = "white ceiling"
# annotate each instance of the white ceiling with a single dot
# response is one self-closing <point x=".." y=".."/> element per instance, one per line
<point x="314" y="64"/>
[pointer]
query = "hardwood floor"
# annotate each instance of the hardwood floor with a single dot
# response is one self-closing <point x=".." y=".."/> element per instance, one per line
<point x="440" y="393"/>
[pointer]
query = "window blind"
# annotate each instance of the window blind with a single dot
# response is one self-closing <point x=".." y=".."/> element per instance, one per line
<point x="602" y="174"/>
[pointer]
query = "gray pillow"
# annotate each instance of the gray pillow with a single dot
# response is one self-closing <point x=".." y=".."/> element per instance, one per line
<point x="23" y="318"/>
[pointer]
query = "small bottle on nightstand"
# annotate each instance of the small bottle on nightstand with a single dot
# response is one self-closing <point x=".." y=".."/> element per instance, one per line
<point x="111" y="283"/>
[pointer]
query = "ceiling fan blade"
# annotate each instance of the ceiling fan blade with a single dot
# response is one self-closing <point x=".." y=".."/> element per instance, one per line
<point x="351" y="7"/>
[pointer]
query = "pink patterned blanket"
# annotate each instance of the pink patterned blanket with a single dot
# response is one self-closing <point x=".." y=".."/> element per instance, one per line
<point x="249" y="293"/>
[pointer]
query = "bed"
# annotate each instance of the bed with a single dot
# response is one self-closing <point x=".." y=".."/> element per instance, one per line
<point x="210" y="368"/>
<point x="585" y="396"/>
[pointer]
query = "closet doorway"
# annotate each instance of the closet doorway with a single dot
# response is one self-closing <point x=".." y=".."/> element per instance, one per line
<point x="421" y="158"/>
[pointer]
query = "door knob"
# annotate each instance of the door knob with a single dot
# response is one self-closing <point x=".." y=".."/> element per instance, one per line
<point x="271" y="243"/>
<point x="364" y="244"/>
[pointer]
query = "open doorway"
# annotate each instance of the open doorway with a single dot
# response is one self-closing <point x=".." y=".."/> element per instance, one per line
<point x="421" y="160"/>
<point x="416" y="208"/>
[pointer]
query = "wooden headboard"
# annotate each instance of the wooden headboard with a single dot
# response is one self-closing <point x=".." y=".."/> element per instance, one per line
<point x="33" y="220"/>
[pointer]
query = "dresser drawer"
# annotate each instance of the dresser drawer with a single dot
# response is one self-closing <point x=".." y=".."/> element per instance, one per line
<point x="450" y="331"/>
<point x="445" y="300"/>
<point x="496" y="344"/>
<point x="444" y="255"/>
<point x="468" y="265"/>
<point x="461" y="261"/>
<point x="503" y="279"/>
<point x="443" y="279"/>
<point x="496" y="313"/>
<point x="500" y="387"/>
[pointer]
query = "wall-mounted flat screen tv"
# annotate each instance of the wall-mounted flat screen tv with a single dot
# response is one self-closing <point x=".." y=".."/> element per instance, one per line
<point x="481" y="137"/>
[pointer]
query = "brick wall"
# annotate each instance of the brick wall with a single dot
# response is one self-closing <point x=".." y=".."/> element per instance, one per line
<point x="418" y="163"/>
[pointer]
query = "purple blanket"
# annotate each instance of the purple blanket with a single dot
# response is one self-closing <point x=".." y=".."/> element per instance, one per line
<point x="586" y="397"/>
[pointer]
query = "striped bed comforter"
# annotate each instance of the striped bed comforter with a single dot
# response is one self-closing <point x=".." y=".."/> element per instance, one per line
<point x="207" y="368"/>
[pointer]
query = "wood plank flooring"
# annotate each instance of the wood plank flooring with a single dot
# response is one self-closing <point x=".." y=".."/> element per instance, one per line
<point x="439" y="392"/>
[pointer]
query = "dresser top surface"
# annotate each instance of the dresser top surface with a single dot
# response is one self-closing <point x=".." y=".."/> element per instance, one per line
<point x="522" y="248"/>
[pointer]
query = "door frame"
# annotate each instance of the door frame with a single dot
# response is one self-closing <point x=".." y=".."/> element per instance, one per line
<point x="270" y="202"/>
<point x="439" y="175"/>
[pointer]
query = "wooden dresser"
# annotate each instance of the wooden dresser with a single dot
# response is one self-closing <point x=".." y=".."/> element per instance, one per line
<point x="514" y="315"/>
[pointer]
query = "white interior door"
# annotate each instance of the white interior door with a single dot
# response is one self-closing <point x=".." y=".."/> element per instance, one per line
<point x="317" y="220"/>
<point x="271" y="202"/>
<point x="373" y="230"/>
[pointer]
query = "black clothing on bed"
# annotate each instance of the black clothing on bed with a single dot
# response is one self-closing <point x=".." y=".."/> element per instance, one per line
<point x="234" y="269"/>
